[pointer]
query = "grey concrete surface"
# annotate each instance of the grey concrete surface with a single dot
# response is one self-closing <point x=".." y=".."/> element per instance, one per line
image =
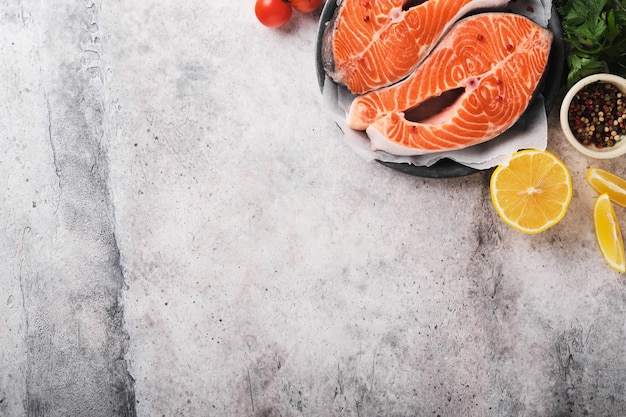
<point x="185" y="234"/>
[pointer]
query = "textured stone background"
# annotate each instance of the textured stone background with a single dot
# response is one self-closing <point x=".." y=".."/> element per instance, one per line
<point x="185" y="234"/>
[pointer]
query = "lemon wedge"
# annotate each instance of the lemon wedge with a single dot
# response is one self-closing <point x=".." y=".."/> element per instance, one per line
<point x="608" y="234"/>
<point x="605" y="182"/>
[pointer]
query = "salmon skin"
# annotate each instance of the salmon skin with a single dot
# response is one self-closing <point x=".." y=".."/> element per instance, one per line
<point x="492" y="62"/>
<point x="370" y="44"/>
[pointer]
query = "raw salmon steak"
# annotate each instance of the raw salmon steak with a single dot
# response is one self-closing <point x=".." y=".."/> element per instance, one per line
<point x="488" y="66"/>
<point x="374" y="43"/>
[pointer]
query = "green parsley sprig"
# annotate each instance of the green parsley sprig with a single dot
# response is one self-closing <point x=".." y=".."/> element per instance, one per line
<point x="595" y="34"/>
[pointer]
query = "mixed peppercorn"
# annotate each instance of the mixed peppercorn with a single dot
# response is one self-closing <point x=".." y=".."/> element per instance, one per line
<point x="596" y="115"/>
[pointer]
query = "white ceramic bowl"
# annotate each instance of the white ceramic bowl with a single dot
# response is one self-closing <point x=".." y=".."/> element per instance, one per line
<point x="591" y="151"/>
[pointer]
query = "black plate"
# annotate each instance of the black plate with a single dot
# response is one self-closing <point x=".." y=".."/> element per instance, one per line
<point x="447" y="168"/>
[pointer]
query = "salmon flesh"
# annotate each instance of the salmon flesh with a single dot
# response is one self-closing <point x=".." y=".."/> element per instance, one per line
<point x="374" y="43"/>
<point x="484" y="72"/>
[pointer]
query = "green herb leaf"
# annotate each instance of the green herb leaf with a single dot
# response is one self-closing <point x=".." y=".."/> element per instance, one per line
<point x="594" y="31"/>
<point x="582" y="66"/>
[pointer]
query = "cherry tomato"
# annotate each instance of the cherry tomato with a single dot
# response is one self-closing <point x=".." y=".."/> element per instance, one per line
<point x="272" y="13"/>
<point x="306" y="6"/>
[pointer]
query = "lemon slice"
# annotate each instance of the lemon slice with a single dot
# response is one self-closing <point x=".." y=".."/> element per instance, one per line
<point x="531" y="193"/>
<point x="604" y="182"/>
<point x="608" y="234"/>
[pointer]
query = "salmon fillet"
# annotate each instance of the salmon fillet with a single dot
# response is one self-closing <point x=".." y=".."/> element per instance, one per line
<point x="374" y="43"/>
<point x="493" y="62"/>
